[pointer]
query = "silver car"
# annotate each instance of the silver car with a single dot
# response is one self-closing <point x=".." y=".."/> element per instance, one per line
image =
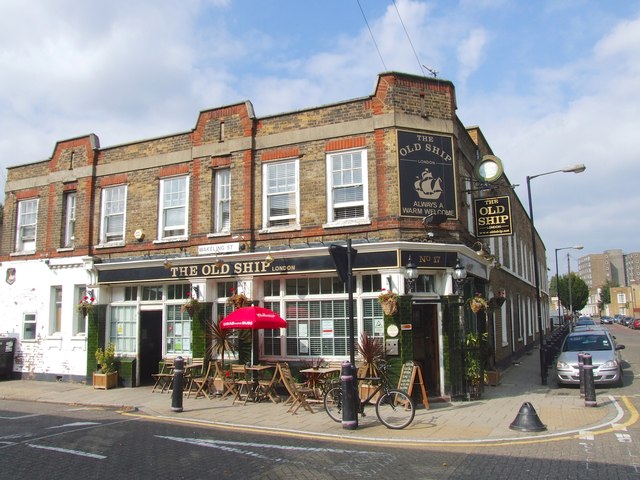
<point x="605" y="357"/>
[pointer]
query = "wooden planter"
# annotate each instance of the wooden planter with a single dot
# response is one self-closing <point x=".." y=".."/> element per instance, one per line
<point x="366" y="390"/>
<point x="105" y="381"/>
<point x="492" y="377"/>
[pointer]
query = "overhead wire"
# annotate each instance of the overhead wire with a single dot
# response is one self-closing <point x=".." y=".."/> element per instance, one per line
<point x="408" y="38"/>
<point x="372" y="37"/>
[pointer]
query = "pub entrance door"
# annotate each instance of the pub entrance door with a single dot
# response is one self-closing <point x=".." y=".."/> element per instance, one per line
<point x="425" y="345"/>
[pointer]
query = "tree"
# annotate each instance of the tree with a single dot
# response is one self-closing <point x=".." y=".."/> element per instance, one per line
<point x="605" y="295"/>
<point x="579" y="291"/>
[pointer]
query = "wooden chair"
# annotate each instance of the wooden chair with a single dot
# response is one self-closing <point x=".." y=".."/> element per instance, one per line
<point x="243" y="384"/>
<point x="228" y="384"/>
<point x="267" y="387"/>
<point x="191" y="371"/>
<point x="165" y="377"/>
<point x="299" y="395"/>
<point x="202" y="383"/>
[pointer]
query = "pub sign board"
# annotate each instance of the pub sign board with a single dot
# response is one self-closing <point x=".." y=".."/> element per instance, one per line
<point x="493" y="216"/>
<point x="427" y="180"/>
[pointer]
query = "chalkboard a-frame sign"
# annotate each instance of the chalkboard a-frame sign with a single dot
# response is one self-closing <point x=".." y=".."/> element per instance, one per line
<point x="409" y="376"/>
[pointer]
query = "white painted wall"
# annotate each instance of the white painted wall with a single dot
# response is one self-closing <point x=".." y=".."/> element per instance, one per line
<point x="49" y="355"/>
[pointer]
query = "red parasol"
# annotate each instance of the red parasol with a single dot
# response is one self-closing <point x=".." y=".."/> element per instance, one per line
<point x="253" y="318"/>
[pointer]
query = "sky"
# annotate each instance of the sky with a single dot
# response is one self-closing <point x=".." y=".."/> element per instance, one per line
<point x="551" y="83"/>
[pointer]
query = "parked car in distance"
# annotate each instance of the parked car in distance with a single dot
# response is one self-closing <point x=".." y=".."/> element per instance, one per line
<point x="605" y="358"/>
<point x="583" y="323"/>
<point x="635" y="324"/>
<point x="606" y="320"/>
<point x="627" y="322"/>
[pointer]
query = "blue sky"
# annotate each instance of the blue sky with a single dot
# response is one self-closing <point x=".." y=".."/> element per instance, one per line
<point x="550" y="83"/>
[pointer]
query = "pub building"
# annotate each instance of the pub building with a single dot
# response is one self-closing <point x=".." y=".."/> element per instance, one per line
<point x="106" y="244"/>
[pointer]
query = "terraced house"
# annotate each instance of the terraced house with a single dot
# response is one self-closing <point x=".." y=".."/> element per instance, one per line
<point x="246" y="204"/>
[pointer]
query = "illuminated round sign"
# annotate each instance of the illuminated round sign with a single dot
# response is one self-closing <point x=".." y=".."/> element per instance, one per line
<point x="489" y="169"/>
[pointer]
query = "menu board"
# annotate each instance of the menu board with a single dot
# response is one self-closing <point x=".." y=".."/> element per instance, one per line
<point x="409" y="376"/>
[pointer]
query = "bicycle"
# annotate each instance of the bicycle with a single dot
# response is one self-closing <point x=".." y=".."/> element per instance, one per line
<point x="394" y="408"/>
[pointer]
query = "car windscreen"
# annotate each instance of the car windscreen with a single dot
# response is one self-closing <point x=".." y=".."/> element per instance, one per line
<point x="586" y="343"/>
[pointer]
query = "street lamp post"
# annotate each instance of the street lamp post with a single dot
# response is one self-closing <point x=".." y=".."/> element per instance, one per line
<point x="536" y="275"/>
<point x="575" y="247"/>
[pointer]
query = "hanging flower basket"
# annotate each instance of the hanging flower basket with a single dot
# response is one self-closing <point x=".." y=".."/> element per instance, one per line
<point x="238" y="300"/>
<point x="496" y="302"/>
<point x="389" y="302"/>
<point x="86" y="305"/>
<point x="191" y="306"/>
<point x="478" y="303"/>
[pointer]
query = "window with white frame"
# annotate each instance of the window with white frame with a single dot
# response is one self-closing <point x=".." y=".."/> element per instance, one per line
<point x="56" y="311"/>
<point x="173" y="207"/>
<point x="622" y="298"/>
<point x="29" y="326"/>
<point x="178" y="332"/>
<point x="114" y="201"/>
<point x="222" y="209"/>
<point x="79" y="327"/>
<point x="271" y="336"/>
<point x="347" y="186"/>
<point x="26" y="228"/>
<point x="69" y="219"/>
<point x="123" y="322"/>
<point x="281" y="194"/>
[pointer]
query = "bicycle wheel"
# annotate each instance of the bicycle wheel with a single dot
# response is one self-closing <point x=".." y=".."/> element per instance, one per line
<point x="333" y="403"/>
<point x="395" y="409"/>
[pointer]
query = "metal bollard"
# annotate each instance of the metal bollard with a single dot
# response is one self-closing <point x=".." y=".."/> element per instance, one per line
<point x="589" y="384"/>
<point x="349" y="396"/>
<point x="581" y="373"/>
<point x="178" y="385"/>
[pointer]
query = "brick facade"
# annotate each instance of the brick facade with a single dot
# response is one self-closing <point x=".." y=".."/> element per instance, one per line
<point x="232" y="137"/>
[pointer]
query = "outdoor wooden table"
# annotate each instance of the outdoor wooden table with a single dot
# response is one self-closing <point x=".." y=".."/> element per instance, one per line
<point x="318" y="378"/>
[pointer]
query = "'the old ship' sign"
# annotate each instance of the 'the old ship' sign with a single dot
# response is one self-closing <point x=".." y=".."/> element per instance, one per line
<point x="425" y="166"/>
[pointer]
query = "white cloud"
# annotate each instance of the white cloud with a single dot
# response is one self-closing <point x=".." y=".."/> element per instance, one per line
<point x="471" y="52"/>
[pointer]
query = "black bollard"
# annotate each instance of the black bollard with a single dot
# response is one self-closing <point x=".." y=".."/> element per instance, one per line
<point x="581" y="372"/>
<point x="178" y="385"/>
<point x="349" y="396"/>
<point x="543" y="362"/>
<point x="589" y="384"/>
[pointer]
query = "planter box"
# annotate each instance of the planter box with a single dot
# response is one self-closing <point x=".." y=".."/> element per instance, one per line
<point x="366" y="390"/>
<point x="105" y="381"/>
<point x="492" y="377"/>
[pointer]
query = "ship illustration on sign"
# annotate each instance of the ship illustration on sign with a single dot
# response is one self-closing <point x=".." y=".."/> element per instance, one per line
<point x="427" y="186"/>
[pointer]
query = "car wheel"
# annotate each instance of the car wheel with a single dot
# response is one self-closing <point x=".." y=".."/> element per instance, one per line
<point x="620" y="383"/>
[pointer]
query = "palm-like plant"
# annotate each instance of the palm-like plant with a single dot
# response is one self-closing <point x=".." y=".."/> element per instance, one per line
<point x="372" y="352"/>
<point x="219" y="341"/>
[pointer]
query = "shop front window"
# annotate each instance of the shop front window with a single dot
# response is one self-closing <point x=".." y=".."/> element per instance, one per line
<point x="123" y="322"/>
<point x="317" y="328"/>
<point x="178" y="333"/>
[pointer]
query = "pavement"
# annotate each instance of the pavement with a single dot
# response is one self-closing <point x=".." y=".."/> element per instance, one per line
<point x="518" y="400"/>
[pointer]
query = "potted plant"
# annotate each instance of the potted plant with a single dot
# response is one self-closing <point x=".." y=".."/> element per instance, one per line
<point x="371" y="351"/>
<point x="107" y="377"/>
<point x="388" y="301"/>
<point x="472" y="363"/>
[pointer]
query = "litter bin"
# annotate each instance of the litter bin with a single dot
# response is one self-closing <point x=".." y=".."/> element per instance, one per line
<point x="7" y="349"/>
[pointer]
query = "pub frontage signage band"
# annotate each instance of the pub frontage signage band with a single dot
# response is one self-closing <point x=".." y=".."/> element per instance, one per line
<point x="324" y="263"/>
